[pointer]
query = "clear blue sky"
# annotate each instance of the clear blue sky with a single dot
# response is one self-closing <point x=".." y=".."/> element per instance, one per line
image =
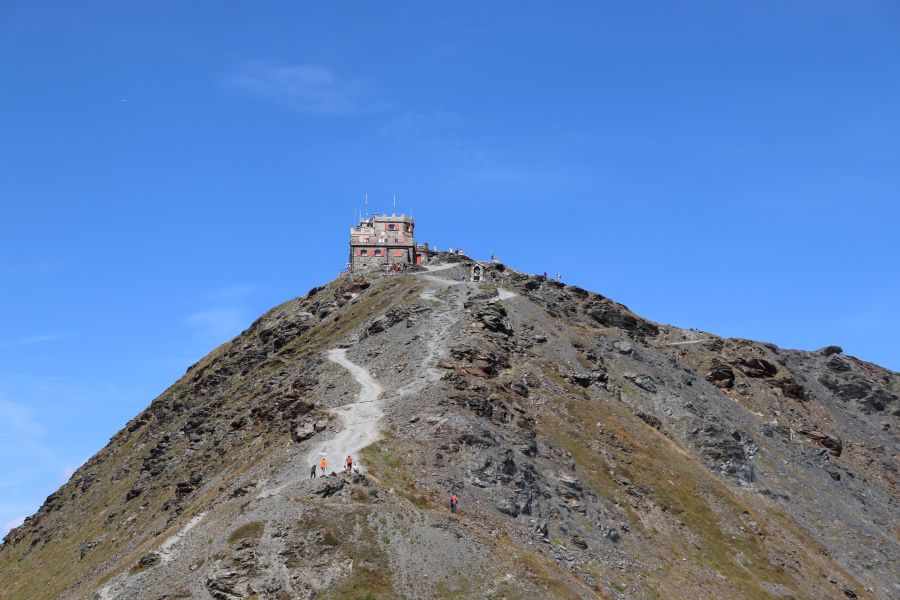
<point x="168" y="172"/>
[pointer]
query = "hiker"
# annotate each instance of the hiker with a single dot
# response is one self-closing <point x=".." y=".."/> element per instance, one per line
<point x="312" y="472"/>
<point x="323" y="464"/>
<point x="558" y="277"/>
<point x="348" y="464"/>
<point x="453" y="502"/>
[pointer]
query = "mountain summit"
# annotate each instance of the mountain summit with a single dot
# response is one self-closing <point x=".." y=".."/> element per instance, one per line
<point x="593" y="453"/>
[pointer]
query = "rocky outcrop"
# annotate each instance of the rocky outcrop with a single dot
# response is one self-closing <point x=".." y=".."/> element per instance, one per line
<point x="720" y="374"/>
<point x="611" y="315"/>
<point x="832" y="442"/>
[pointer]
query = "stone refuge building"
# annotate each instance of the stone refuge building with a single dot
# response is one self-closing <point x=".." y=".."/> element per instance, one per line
<point x="384" y="242"/>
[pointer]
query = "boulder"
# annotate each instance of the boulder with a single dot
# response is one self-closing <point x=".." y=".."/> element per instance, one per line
<point x="227" y="584"/>
<point x="518" y="388"/>
<point x="878" y="400"/>
<point x="623" y="347"/>
<point x="587" y="378"/>
<point x="650" y="420"/>
<point x="756" y="367"/>
<point x="304" y="430"/>
<point x="330" y="487"/>
<point x="149" y="560"/>
<point x="645" y="382"/>
<point x="838" y="363"/>
<point x="720" y="374"/>
<point x="829" y="350"/>
<point x="492" y="318"/>
<point x="832" y="442"/>
<point x="619" y="317"/>
<point x="508" y="506"/>
<point x="789" y="388"/>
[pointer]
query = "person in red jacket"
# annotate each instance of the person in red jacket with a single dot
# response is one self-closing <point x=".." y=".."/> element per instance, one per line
<point x="453" y="502"/>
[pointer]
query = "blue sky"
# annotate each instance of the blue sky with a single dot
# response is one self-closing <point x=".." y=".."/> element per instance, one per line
<point x="169" y="172"/>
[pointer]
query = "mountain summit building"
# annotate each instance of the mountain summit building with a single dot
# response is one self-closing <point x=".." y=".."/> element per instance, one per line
<point x="383" y="242"/>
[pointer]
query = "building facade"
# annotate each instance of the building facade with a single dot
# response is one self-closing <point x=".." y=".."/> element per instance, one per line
<point x="383" y="242"/>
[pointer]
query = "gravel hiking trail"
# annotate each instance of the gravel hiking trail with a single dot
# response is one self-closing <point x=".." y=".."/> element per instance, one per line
<point x="360" y="418"/>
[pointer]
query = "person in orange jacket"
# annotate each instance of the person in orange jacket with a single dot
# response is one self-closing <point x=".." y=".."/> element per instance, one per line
<point x="323" y="464"/>
<point x="453" y="502"/>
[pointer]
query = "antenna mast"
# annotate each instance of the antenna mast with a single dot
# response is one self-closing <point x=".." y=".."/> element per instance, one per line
<point x="367" y="206"/>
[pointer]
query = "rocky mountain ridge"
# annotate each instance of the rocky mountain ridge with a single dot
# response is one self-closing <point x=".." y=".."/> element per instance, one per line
<point x="595" y="454"/>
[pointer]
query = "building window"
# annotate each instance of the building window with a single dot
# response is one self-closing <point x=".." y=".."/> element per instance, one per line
<point x="377" y="251"/>
<point x="363" y="252"/>
<point x="391" y="226"/>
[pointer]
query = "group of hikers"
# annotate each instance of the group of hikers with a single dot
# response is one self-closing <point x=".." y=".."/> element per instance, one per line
<point x="323" y="465"/>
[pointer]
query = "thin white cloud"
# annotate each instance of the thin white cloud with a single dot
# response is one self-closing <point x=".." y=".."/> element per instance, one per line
<point x="235" y="292"/>
<point x="311" y="89"/>
<point x="17" y="424"/>
<point x="218" y="323"/>
<point x="23" y="452"/>
<point x="28" y="340"/>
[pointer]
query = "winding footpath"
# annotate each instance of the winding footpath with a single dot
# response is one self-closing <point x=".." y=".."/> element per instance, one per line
<point x="360" y="418"/>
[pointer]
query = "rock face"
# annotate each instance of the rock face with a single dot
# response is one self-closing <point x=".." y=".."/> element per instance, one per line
<point x="594" y="454"/>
